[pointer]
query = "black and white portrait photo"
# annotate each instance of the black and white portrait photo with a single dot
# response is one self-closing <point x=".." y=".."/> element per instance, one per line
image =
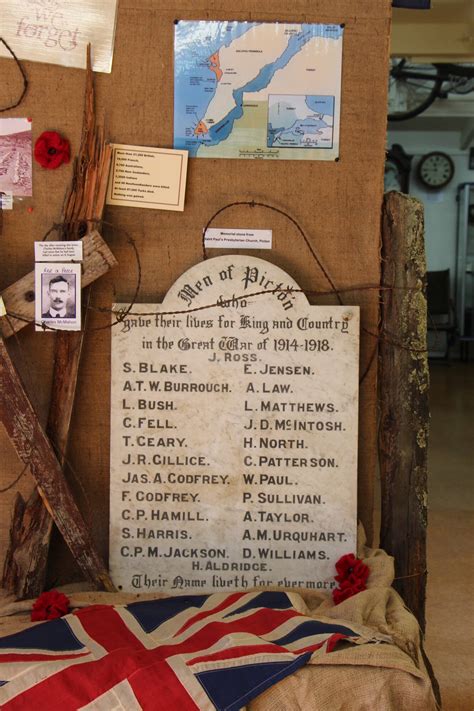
<point x="58" y="296"/>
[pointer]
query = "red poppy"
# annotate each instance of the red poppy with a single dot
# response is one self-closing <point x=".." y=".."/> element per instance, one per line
<point x="344" y="563"/>
<point x="52" y="150"/>
<point x="351" y="568"/>
<point x="352" y="577"/>
<point x="346" y="590"/>
<point x="49" y="606"/>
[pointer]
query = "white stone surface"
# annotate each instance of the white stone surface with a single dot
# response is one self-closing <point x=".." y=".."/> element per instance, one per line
<point x="233" y="435"/>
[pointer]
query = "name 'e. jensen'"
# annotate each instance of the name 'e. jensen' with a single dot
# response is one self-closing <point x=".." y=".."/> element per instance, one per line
<point x="285" y="370"/>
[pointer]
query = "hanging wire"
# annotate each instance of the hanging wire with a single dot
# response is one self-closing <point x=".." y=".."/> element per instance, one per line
<point x="23" y="76"/>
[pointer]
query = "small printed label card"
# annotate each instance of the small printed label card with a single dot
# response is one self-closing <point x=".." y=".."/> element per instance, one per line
<point x="58" y="285"/>
<point x="237" y="239"/>
<point x="147" y="177"/>
<point x="58" y="31"/>
<point x="6" y="200"/>
<point x="58" y="251"/>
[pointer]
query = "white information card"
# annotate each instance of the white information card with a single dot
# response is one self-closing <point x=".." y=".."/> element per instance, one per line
<point x="143" y="176"/>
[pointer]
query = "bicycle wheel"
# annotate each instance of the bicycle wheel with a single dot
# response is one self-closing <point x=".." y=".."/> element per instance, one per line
<point x="412" y="89"/>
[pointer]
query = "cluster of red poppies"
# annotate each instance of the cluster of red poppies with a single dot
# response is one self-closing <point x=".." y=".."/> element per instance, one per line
<point x="49" y="606"/>
<point x="352" y="577"/>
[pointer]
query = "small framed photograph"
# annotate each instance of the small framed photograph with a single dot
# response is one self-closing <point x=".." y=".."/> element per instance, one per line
<point x="57" y="296"/>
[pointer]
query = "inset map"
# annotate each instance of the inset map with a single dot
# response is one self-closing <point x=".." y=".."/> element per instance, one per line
<point x="300" y="121"/>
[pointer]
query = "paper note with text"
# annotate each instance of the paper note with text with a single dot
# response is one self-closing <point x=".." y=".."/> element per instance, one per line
<point x="58" y="31"/>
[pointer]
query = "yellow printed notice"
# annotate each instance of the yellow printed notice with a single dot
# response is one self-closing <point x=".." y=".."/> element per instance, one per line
<point x="147" y="177"/>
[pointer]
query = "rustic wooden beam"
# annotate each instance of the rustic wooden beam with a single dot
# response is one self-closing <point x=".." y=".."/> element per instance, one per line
<point x="32" y="525"/>
<point x="19" y="298"/>
<point x="25" y="566"/>
<point x="25" y="562"/>
<point x="67" y="356"/>
<point x="84" y="204"/>
<point x="403" y="398"/>
<point x="35" y="450"/>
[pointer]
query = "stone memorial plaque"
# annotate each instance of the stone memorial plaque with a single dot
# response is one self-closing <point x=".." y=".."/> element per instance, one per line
<point x="233" y="435"/>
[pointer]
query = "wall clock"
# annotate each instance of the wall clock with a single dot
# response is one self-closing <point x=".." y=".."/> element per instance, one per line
<point x="435" y="170"/>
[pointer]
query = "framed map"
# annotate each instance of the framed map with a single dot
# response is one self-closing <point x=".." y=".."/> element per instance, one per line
<point x="257" y="90"/>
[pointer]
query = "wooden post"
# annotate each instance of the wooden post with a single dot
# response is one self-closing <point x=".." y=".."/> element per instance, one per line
<point x="24" y="569"/>
<point x="26" y="561"/>
<point x="403" y="398"/>
<point x="34" y="449"/>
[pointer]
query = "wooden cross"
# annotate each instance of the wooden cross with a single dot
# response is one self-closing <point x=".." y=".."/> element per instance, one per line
<point x="35" y="451"/>
<point x="25" y="565"/>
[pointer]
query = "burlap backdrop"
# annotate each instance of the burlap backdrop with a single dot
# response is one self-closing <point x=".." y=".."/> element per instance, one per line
<point x="337" y="203"/>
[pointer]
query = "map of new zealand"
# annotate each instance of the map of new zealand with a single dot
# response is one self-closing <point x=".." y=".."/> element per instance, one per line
<point x="257" y="90"/>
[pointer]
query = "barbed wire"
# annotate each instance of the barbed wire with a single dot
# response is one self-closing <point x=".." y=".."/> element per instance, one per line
<point x="379" y="334"/>
<point x="16" y="480"/>
<point x="121" y="315"/>
<point x="23" y="76"/>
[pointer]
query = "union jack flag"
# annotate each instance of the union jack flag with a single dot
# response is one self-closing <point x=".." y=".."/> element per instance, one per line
<point x="187" y="653"/>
